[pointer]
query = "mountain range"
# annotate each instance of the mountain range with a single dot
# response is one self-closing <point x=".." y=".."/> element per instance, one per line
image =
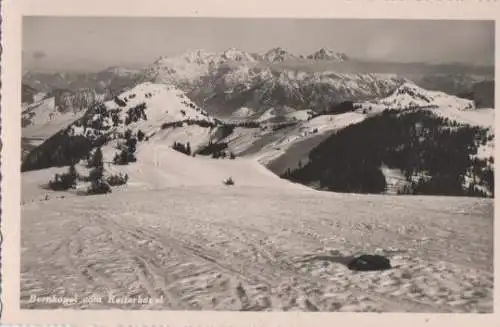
<point x="250" y="105"/>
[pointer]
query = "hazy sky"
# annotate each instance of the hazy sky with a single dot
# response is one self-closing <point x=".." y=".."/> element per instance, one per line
<point x="95" y="43"/>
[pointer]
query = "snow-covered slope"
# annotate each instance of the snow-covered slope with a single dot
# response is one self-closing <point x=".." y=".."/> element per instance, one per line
<point x="42" y="119"/>
<point x="160" y="166"/>
<point x="212" y="247"/>
<point x="292" y="145"/>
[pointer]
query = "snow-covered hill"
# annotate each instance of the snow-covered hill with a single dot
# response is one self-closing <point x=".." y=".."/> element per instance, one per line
<point x="410" y="96"/>
<point x="163" y="104"/>
<point x="147" y="108"/>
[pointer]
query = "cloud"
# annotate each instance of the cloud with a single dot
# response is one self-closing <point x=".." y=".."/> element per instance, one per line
<point x="38" y="55"/>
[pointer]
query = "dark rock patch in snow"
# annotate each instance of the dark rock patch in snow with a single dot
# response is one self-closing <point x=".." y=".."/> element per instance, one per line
<point x="368" y="262"/>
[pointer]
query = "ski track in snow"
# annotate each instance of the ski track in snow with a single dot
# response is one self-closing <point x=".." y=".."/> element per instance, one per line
<point x="251" y="248"/>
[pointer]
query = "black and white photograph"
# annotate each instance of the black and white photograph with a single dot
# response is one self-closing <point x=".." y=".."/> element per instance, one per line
<point x="257" y="164"/>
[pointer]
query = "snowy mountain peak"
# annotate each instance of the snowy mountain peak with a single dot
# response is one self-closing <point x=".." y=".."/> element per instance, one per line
<point x="237" y="55"/>
<point x="327" y="54"/>
<point x="199" y="57"/>
<point x="278" y="54"/>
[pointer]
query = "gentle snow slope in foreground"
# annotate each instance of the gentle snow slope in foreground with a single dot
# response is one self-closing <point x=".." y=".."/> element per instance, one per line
<point x="208" y="246"/>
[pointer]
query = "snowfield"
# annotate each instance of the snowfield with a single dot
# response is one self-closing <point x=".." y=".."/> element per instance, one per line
<point x="178" y="235"/>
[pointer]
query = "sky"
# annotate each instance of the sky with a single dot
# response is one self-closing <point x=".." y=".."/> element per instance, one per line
<point x="93" y="43"/>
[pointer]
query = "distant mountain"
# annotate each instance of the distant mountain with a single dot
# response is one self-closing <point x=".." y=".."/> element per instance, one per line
<point x="482" y="93"/>
<point x="52" y="112"/>
<point x="266" y="88"/>
<point x="326" y="54"/>
<point x="458" y="83"/>
<point x="112" y="80"/>
<point x="278" y="54"/>
<point x="225" y="82"/>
